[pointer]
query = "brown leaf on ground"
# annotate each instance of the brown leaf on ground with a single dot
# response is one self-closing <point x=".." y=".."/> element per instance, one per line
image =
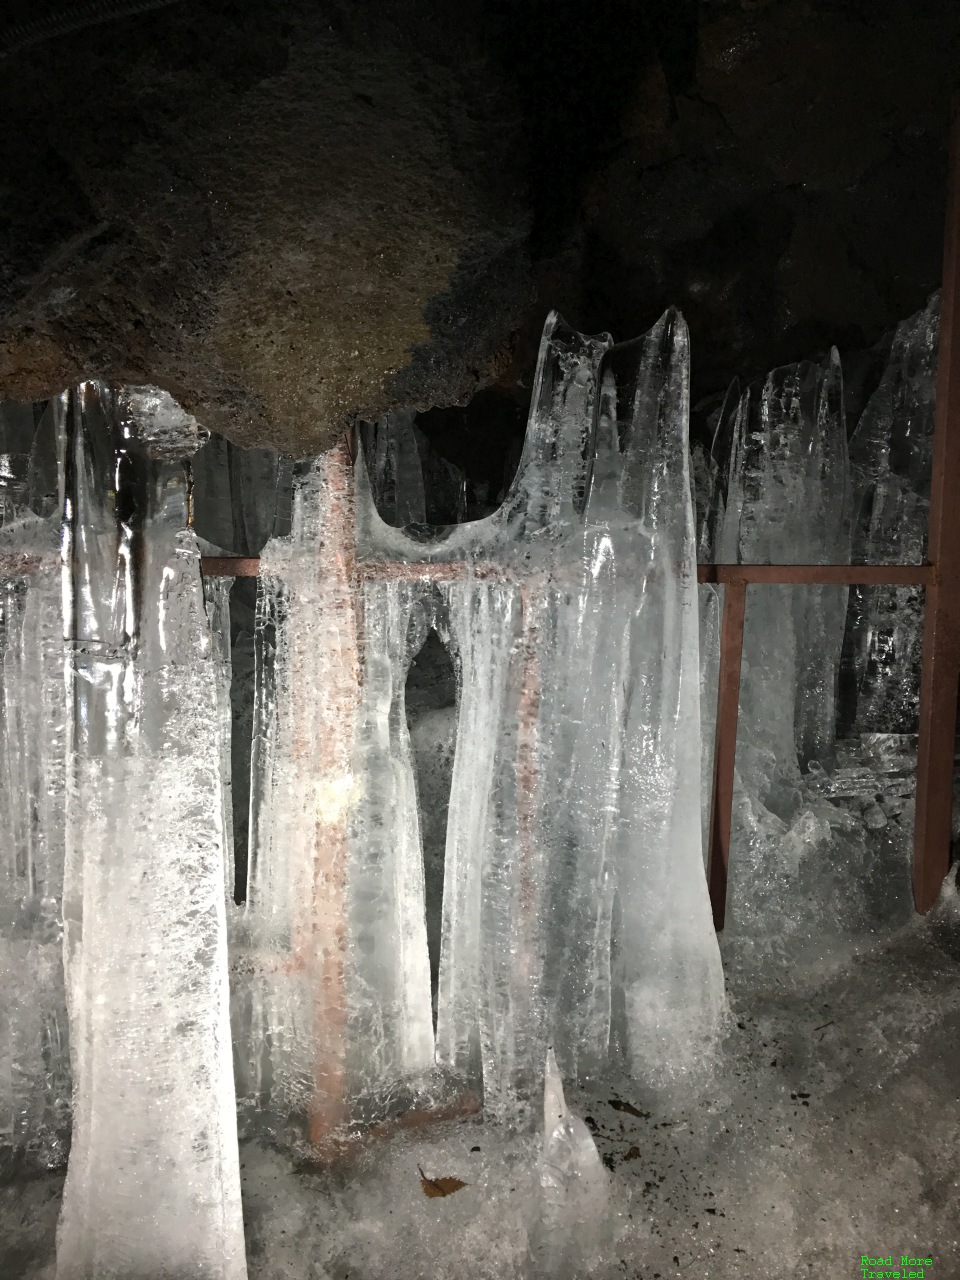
<point x="433" y="1187"/>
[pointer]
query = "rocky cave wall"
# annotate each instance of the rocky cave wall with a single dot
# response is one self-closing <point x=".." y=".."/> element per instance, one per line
<point x="293" y="215"/>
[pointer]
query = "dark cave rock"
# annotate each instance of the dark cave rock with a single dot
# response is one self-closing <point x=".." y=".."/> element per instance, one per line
<point x="296" y="216"/>
<point x="288" y="215"/>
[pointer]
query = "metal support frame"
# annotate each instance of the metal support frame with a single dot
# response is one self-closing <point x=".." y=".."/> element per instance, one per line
<point x="941" y="623"/>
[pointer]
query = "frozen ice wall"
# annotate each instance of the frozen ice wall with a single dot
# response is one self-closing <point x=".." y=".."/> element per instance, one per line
<point x="34" y="1044"/>
<point x="153" y="1179"/>
<point x="574" y="910"/>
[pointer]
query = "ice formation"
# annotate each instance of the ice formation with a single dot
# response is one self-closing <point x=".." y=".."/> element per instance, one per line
<point x="574" y="903"/>
<point x="569" y="911"/>
<point x="34" y="1041"/>
<point x="573" y="1184"/>
<point x="112" y="753"/>
<point x="787" y="502"/>
<point x="822" y="826"/>
<point x="891" y="453"/>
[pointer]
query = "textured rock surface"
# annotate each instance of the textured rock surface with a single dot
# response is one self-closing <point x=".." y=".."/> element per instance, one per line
<point x="291" y="215"/>
<point x="285" y="214"/>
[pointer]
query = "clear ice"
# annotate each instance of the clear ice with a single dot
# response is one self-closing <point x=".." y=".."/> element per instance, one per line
<point x="574" y="1187"/>
<point x="822" y="825"/>
<point x="153" y="1185"/>
<point x="784" y="444"/>
<point x="890" y="453"/>
<point x="34" y="1042"/>
<point x="574" y="908"/>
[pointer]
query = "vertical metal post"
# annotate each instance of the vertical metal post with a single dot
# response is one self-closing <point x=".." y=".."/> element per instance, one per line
<point x="725" y="752"/>
<point x="323" y="940"/>
<point x="941" y="634"/>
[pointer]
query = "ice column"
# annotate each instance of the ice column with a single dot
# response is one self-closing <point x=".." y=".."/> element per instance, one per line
<point x="891" y="453"/>
<point x="153" y="1178"/>
<point x="787" y="502"/>
<point x="34" y="1044"/>
<point x="633" y="795"/>
<point x="576" y="910"/>
<point x="506" y="612"/>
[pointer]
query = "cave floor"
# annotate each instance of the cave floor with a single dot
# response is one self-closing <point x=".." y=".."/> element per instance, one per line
<point x="829" y="1131"/>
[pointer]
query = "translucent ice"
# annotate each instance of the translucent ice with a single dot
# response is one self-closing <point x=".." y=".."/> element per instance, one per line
<point x="153" y="1179"/>
<point x="574" y="908"/>
<point x="34" y="1044"/>
<point x="573" y="1184"/>
<point x="787" y="502"/>
<point x="891" y="453"/>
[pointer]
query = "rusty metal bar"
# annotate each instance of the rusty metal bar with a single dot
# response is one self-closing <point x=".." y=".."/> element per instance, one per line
<point x="230" y="566"/>
<point x="725" y="750"/>
<point x="818" y="574"/>
<point x="367" y="570"/>
<point x="771" y="574"/>
<point x="941" y="629"/>
<point x="321" y="940"/>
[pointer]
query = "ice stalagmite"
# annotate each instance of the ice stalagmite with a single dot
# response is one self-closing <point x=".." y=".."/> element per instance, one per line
<point x="574" y="1225"/>
<point x="34" y="1044"/>
<point x="153" y="1179"/>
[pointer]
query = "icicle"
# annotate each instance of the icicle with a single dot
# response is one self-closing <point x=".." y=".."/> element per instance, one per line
<point x="640" y="874"/>
<point x="787" y="502"/>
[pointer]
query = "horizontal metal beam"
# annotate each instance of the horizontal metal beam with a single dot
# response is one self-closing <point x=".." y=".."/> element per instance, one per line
<point x="769" y="574"/>
<point x="230" y="566"/>
<point x="818" y="574"/>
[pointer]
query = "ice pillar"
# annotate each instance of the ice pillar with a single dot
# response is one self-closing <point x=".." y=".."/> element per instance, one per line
<point x="153" y="1179"/>
<point x="34" y="1044"/>
<point x="788" y="502"/>
<point x="636" y="759"/>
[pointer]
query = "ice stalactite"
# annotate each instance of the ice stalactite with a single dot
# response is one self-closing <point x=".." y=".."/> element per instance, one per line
<point x="34" y="1041"/>
<point x="153" y="1179"/>
<point x="891" y="452"/>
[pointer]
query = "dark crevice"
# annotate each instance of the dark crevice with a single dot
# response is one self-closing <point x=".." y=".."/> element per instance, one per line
<point x="431" y="702"/>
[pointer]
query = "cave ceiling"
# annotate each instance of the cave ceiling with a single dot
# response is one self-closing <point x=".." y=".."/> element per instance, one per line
<point x="292" y="215"/>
